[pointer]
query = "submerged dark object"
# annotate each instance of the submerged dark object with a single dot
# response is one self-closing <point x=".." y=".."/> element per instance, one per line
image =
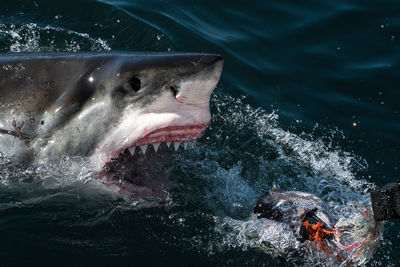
<point x="385" y="202"/>
<point x="350" y="240"/>
<point x="293" y="208"/>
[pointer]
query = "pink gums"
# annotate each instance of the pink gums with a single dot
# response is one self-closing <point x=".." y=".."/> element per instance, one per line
<point x="172" y="134"/>
<point x="184" y="133"/>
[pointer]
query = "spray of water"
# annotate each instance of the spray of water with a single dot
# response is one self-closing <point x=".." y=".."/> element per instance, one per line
<point x="245" y="153"/>
<point x="32" y="37"/>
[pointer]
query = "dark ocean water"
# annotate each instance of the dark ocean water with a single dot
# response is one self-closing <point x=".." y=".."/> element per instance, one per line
<point x="309" y="100"/>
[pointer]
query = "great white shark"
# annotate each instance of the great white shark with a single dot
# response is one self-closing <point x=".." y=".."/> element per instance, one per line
<point x="100" y="105"/>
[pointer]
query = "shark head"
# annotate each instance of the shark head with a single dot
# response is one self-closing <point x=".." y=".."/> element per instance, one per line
<point x="99" y="105"/>
<point x="160" y="99"/>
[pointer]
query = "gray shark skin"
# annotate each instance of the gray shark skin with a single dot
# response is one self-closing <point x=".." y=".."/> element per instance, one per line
<point x="99" y="105"/>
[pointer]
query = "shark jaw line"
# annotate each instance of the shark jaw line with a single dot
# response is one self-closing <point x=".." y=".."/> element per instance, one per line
<point x="169" y="135"/>
<point x="185" y="133"/>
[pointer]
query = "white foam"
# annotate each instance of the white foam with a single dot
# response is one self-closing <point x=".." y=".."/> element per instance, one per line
<point x="238" y="168"/>
<point x="32" y="37"/>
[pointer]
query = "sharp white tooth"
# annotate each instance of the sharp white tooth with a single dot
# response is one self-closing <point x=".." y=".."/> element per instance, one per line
<point x="176" y="145"/>
<point x="144" y="149"/>
<point x="194" y="143"/>
<point x="185" y="144"/>
<point x="132" y="150"/>
<point x="156" y="145"/>
<point x="168" y="144"/>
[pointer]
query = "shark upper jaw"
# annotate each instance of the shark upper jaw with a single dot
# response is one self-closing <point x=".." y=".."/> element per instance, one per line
<point x="176" y="134"/>
<point x="142" y="137"/>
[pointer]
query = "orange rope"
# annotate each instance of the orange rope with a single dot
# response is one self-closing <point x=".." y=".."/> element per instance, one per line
<point x="318" y="233"/>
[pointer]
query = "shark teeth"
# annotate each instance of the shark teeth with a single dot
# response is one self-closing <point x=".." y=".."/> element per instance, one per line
<point x="156" y="145"/>
<point x="143" y="148"/>
<point x="176" y="145"/>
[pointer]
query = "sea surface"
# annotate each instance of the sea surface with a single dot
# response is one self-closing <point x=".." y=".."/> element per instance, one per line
<point x="309" y="100"/>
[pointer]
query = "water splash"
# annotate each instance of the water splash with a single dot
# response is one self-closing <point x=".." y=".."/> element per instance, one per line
<point x="245" y="152"/>
<point x="32" y="37"/>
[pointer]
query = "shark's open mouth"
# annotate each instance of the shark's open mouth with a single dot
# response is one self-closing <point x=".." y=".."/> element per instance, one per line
<point x="141" y="170"/>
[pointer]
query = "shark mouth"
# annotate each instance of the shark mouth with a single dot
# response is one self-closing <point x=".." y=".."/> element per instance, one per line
<point x="175" y="135"/>
<point x="170" y="135"/>
<point x="141" y="170"/>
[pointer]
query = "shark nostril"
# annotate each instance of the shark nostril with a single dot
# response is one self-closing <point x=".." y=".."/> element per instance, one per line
<point x="129" y="87"/>
<point x="174" y="90"/>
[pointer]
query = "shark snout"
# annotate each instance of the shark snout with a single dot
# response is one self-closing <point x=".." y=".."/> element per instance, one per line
<point x="211" y="59"/>
<point x="197" y="89"/>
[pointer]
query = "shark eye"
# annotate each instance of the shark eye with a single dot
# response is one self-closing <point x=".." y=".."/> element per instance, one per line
<point x="135" y="83"/>
<point x="174" y="90"/>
